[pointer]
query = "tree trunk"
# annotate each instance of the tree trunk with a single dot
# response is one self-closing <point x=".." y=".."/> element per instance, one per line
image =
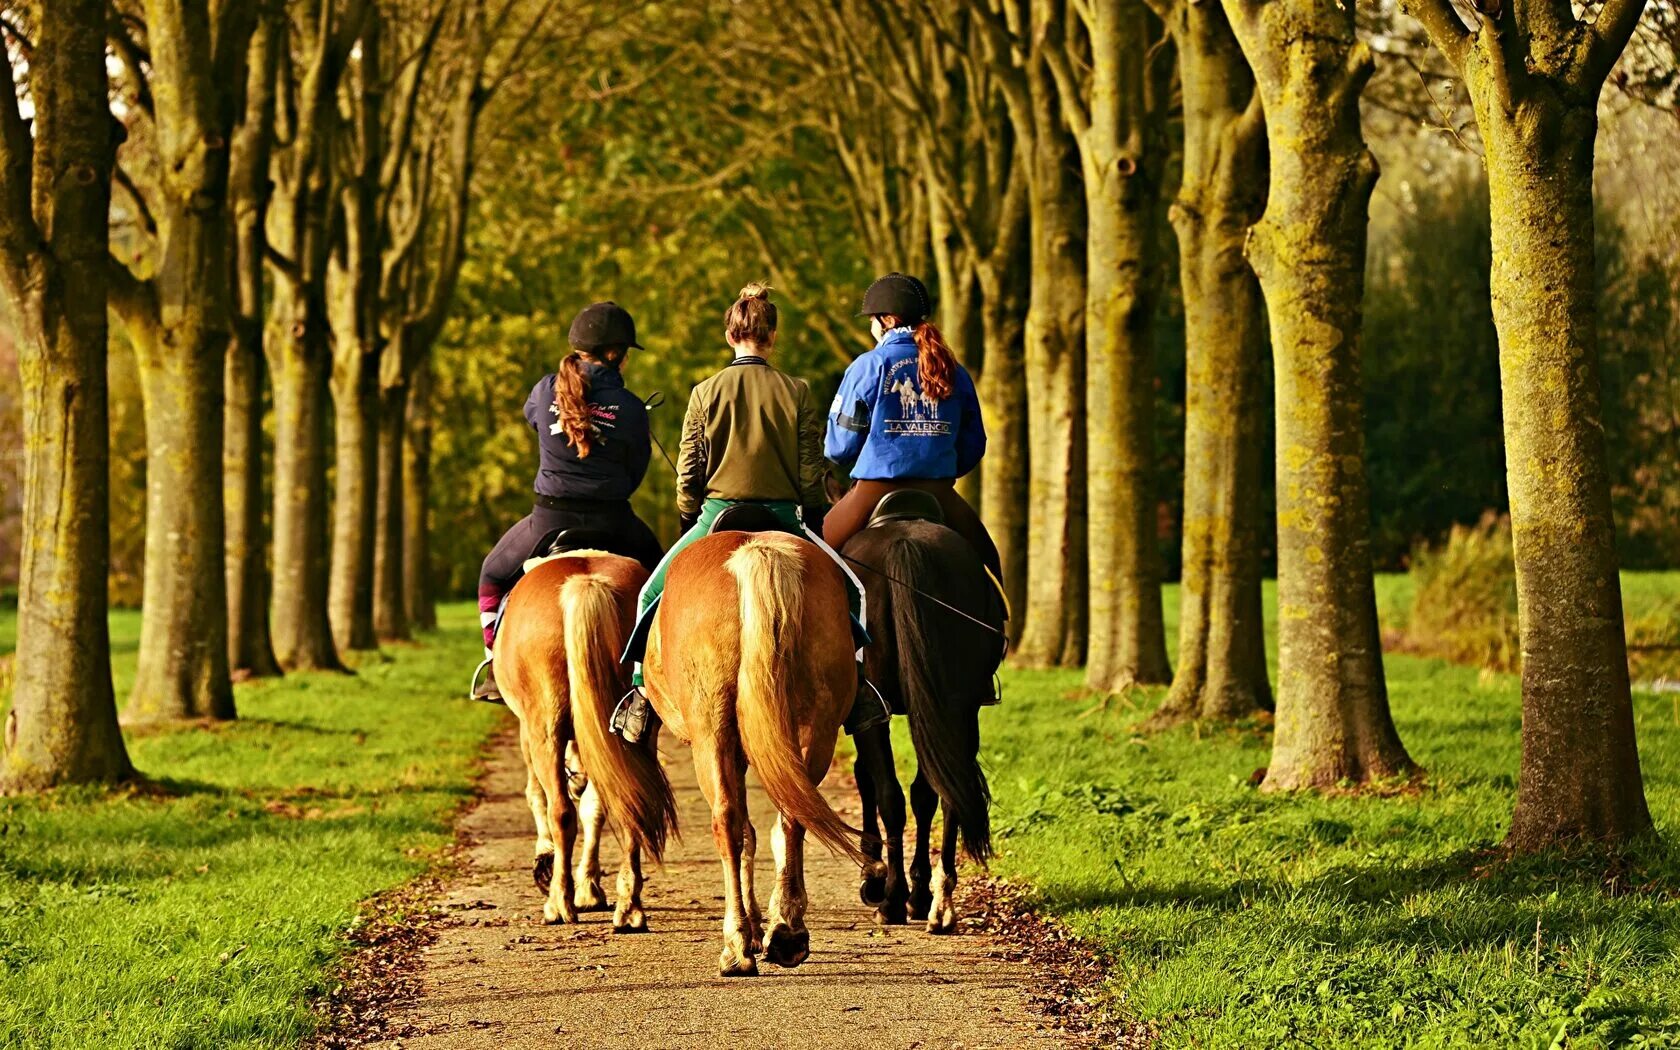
<point x="302" y="634"/>
<point x="390" y="614"/>
<point x="355" y="388"/>
<point x="183" y="661"/>
<point x="62" y="726"/>
<point x="1003" y="405"/>
<point x="1308" y="250"/>
<point x="1580" y="775"/>
<point x="1221" y="671"/>
<point x="1055" y="613"/>
<point x="419" y="595"/>
<point x="250" y="652"/>
<point x="1122" y="150"/>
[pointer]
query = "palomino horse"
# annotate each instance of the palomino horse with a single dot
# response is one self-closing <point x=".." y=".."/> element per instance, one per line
<point x="937" y="624"/>
<point x="557" y="662"/>
<point x="750" y="660"/>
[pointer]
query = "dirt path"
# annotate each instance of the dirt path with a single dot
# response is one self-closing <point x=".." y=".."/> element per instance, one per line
<point x="499" y="978"/>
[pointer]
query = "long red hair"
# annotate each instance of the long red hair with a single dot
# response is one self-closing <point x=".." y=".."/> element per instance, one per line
<point x="934" y="361"/>
<point x="571" y="397"/>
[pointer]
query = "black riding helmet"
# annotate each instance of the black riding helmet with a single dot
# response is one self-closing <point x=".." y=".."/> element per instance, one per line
<point x="899" y="294"/>
<point x="601" y="325"/>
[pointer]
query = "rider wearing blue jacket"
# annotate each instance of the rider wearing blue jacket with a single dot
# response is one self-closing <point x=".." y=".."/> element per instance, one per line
<point x="906" y="416"/>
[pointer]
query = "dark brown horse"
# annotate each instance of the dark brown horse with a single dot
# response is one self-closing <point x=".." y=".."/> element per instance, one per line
<point x="557" y="660"/>
<point x="937" y="624"/>
<point x="750" y="660"/>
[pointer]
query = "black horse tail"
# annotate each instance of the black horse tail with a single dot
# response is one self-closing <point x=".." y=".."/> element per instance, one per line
<point x="935" y="668"/>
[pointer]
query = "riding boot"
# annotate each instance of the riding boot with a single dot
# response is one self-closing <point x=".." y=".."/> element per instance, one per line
<point x="486" y="689"/>
<point x="869" y="707"/>
<point x="631" y="717"/>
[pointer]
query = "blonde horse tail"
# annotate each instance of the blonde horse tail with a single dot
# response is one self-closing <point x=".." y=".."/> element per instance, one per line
<point x="632" y="785"/>
<point x="770" y="573"/>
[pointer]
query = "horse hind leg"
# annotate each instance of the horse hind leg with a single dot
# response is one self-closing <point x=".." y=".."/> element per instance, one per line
<point x="749" y="888"/>
<point x="562" y="828"/>
<point x="592" y="817"/>
<point x="924" y="803"/>
<point x="943" y="916"/>
<point x="628" y="916"/>
<point x="883" y="884"/>
<point x="723" y="782"/>
<point x="789" y="943"/>
<point x="542" y="868"/>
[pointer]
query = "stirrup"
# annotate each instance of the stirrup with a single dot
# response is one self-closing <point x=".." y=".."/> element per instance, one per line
<point x="869" y="709"/>
<point x="630" y="717"/>
<point x="483" y="685"/>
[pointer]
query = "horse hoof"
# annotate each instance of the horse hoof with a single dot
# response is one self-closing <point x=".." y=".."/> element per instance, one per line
<point x="542" y="871"/>
<point x="788" y="947"/>
<point x="873" y="890"/>
<point x="590" y="897"/>
<point x="555" y="916"/>
<point x="920" y="905"/>
<point x="630" y="920"/>
<point x="731" y="966"/>
<point x="891" y="914"/>
<point x="943" y="922"/>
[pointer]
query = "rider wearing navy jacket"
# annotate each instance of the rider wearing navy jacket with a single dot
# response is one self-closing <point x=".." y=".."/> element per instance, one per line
<point x="593" y="450"/>
<point x="906" y="416"/>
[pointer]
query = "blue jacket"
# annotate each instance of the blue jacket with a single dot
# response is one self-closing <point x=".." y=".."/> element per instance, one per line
<point x="882" y="428"/>
<point x="615" y="465"/>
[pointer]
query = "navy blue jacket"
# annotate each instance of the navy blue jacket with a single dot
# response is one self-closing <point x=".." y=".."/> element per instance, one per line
<point x="882" y="428"/>
<point x="615" y="465"/>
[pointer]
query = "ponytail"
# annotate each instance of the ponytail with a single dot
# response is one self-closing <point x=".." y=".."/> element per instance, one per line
<point x="935" y="363"/>
<point x="571" y="392"/>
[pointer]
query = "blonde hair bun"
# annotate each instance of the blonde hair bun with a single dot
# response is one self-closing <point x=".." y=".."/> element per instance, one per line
<point x="756" y="290"/>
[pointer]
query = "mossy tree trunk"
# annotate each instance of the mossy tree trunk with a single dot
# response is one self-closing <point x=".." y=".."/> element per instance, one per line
<point x="390" y="610"/>
<point x="1221" y="671"/>
<point x="1055" y="612"/>
<point x="1308" y="250"/>
<point x="419" y="594"/>
<point x="1115" y="107"/>
<point x="54" y="261"/>
<point x="250" y="652"/>
<point x="299" y="342"/>
<point x="1002" y="390"/>
<point x="1535" y="73"/>
<point x="180" y="320"/>
<point x="353" y="288"/>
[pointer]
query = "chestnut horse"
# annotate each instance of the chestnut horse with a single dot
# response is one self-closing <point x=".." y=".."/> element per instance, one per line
<point x="750" y="659"/>
<point x="557" y="662"/>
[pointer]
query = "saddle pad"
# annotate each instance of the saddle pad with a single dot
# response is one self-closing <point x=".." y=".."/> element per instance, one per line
<point x="531" y="563"/>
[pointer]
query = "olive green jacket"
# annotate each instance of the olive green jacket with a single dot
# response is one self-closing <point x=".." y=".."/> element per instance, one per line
<point x="751" y="433"/>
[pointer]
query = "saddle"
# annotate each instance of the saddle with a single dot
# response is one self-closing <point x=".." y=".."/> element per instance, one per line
<point x="563" y="541"/>
<point x="745" y="517"/>
<point x="906" y="505"/>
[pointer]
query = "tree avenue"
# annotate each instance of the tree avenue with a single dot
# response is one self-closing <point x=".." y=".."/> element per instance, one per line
<point x="341" y="240"/>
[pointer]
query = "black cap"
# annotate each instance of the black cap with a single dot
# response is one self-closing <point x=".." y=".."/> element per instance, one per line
<point x="603" y="324"/>
<point x="899" y="294"/>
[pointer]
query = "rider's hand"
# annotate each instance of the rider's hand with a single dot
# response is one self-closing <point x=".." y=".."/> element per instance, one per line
<point x="688" y="521"/>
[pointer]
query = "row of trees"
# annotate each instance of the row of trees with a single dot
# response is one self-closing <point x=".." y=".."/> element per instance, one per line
<point x="273" y="199"/>
<point x="1047" y="161"/>
<point x="1034" y="142"/>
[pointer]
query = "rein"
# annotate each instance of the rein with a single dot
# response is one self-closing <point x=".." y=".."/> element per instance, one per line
<point x="947" y="606"/>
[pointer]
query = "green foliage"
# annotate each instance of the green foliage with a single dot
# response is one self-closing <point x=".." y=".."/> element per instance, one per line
<point x="208" y="914"/>
<point x="1236" y="919"/>
<point x="1465" y="605"/>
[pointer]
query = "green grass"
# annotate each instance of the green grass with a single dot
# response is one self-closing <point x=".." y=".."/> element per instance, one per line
<point x="209" y="916"/>
<point x="1233" y="918"/>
